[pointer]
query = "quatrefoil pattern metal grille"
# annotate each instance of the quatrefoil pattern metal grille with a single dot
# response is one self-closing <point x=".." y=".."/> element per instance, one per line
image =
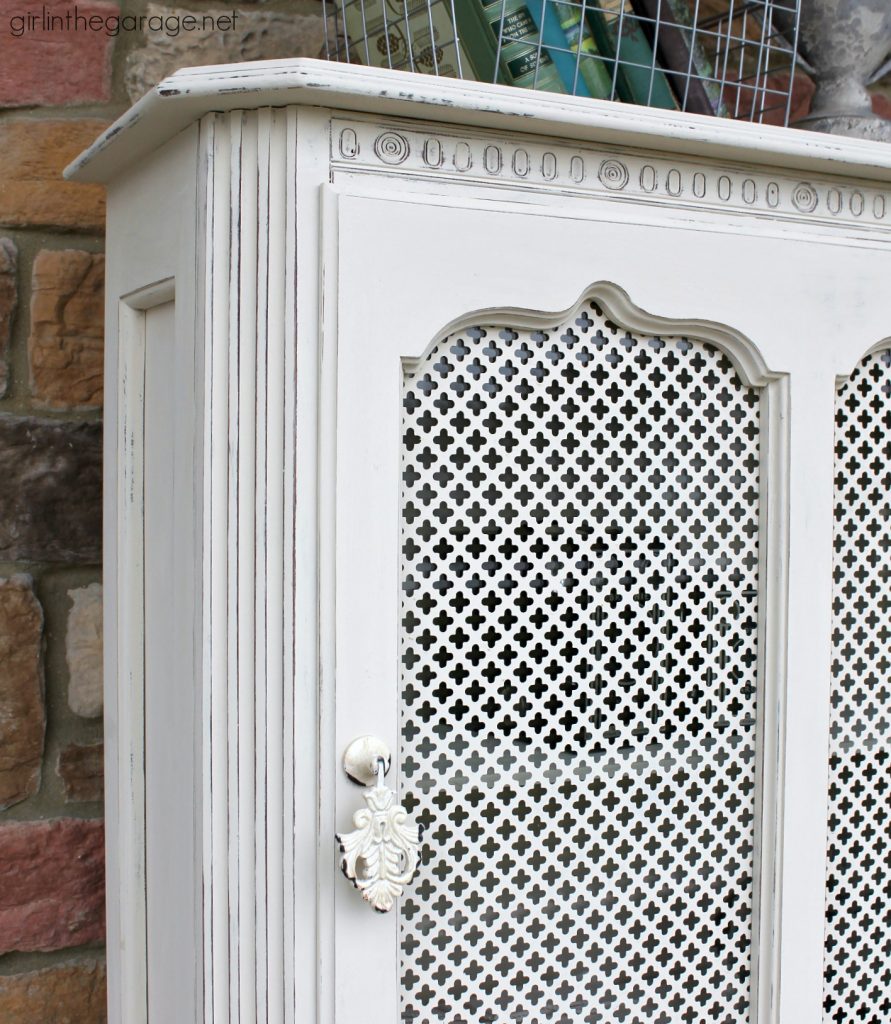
<point x="579" y="653"/>
<point x="857" y="964"/>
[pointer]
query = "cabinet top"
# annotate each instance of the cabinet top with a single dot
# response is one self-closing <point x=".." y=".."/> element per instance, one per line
<point x="187" y="95"/>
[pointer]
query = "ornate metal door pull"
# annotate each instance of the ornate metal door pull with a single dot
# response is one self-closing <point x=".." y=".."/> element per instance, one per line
<point x="380" y="856"/>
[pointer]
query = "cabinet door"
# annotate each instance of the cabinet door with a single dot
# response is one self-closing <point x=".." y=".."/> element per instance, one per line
<point x="565" y="513"/>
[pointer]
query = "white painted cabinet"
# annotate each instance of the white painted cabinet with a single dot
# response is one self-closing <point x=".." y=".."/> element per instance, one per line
<point x="545" y="440"/>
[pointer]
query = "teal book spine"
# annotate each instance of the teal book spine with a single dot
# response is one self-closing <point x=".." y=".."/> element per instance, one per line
<point x="556" y="42"/>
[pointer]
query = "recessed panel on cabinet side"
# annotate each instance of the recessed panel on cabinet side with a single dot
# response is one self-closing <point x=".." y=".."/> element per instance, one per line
<point x="171" y="729"/>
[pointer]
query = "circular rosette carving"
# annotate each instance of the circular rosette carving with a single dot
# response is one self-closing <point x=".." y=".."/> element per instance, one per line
<point x="804" y="196"/>
<point x="391" y="147"/>
<point x="613" y="174"/>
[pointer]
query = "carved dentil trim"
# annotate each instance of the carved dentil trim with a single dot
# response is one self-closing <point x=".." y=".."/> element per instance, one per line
<point x="639" y="177"/>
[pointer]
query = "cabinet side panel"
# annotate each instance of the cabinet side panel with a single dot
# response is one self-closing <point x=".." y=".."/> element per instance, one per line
<point x="152" y="221"/>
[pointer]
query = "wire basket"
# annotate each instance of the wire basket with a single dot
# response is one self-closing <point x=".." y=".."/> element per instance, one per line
<point x="719" y="57"/>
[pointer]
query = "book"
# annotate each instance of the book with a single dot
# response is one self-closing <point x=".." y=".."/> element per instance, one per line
<point x="619" y="36"/>
<point x="475" y="34"/>
<point x="419" y="35"/>
<point x="553" y="41"/>
<point x="589" y="64"/>
<point x="686" y="70"/>
<point x="525" y="62"/>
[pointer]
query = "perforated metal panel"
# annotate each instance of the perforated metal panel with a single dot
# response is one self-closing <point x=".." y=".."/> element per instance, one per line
<point x="857" y="974"/>
<point x="580" y="600"/>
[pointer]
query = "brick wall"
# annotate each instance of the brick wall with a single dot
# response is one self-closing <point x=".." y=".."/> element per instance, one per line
<point x="58" y="90"/>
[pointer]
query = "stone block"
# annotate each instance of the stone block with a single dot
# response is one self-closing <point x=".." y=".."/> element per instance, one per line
<point x="257" y="35"/>
<point x="72" y="993"/>
<point x="83" y="651"/>
<point x="52" y="884"/>
<point x="53" y="58"/>
<point x="22" y="711"/>
<point x="51" y="498"/>
<point x="81" y="772"/>
<point x="881" y="104"/>
<point x="33" y="154"/>
<point x="65" y="346"/>
<point x="8" y="303"/>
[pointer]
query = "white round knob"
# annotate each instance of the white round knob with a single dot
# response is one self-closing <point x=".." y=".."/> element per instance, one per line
<point x="361" y="757"/>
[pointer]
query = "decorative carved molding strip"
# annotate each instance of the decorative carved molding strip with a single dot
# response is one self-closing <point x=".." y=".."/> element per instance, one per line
<point x="637" y="176"/>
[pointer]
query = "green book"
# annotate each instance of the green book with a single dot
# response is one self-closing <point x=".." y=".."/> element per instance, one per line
<point x="420" y="36"/>
<point x="639" y="78"/>
<point x="595" y="71"/>
<point x="687" y="68"/>
<point x="476" y="36"/>
<point x="524" y="62"/>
